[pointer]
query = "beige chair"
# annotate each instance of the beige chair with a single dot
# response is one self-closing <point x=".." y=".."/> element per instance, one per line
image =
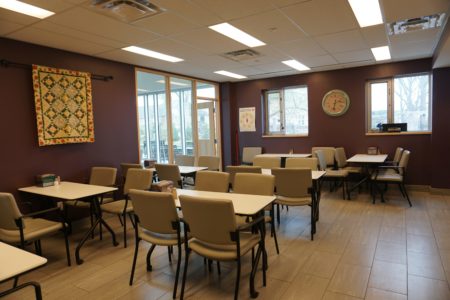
<point x="266" y="162"/>
<point x="302" y="162"/>
<point x="248" y="153"/>
<point x="233" y="170"/>
<point x="382" y="175"/>
<point x="124" y="167"/>
<point x="258" y="184"/>
<point x="294" y="188"/>
<point x="19" y="229"/>
<point x="169" y="172"/>
<point x="333" y="175"/>
<point x="211" y="162"/>
<point x="104" y="176"/>
<point x="396" y="159"/>
<point x="156" y="222"/>
<point x="216" y="235"/>
<point x="184" y="160"/>
<point x="341" y="162"/>
<point x="139" y="179"/>
<point x="328" y="153"/>
<point x="212" y="181"/>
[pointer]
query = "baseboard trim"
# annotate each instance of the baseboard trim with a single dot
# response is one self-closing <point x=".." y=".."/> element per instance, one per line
<point x="438" y="191"/>
<point x="418" y="187"/>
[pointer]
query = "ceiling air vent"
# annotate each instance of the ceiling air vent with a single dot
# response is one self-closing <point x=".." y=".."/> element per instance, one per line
<point x="127" y="10"/>
<point x="241" y="55"/>
<point x="414" y="24"/>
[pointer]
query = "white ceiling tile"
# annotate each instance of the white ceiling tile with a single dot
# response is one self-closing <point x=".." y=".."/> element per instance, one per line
<point x="54" y="6"/>
<point x="172" y="47"/>
<point x="318" y="61"/>
<point x="322" y="16"/>
<point x="342" y="41"/>
<point x="375" y="36"/>
<point x="273" y="67"/>
<point x="7" y="27"/>
<point x="283" y="3"/>
<point x="166" y="23"/>
<point x="215" y="62"/>
<point x="411" y="50"/>
<point x="430" y="35"/>
<point x="406" y="9"/>
<point x="76" y="34"/>
<point x="209" y="41"/>
<point x="233" y="9"/>
<point x="300" y="48"/>
<point x="58" y="41"/>
<point x="10" y="16"/>
<point x="270" y="27"/>
<point x="82" y="19"/>
<point x="354" y="56"/>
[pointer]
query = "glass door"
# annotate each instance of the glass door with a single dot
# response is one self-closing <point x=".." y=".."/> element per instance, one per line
<point x="206" y="128"/>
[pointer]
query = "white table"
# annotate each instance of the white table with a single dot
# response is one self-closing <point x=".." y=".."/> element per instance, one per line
<point x="244" y="204"/>
<point x="283" y="156"/>
<point x="77" y="191"/>
<point x="316" y="175"/>
<point x="15" y="262"/>
<point x="367" y="162"/>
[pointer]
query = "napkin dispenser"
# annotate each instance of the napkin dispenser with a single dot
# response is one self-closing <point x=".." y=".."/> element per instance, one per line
<point x="45" y="180"/>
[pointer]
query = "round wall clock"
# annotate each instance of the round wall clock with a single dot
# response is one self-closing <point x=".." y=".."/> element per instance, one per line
<point x="335" y="103"/>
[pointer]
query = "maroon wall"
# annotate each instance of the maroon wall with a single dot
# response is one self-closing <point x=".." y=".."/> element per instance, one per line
<point x="347" y="130"/>
<point x="114" y="118"/>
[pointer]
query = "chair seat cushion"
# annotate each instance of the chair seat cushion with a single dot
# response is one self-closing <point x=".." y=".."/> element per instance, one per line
<point x="300" y="201"/>
<point x="336" y="173"/>
<point x="34" y="229"/>
<point x="224" y="252"/>
<point x="387" y="176"/>
<point x="158" y="238"/>
<point x="116" y="207"/>
<point x="352" y="169"/>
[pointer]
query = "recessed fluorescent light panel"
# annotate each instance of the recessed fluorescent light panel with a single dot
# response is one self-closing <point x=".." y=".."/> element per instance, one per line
<point x="367" y="12"/>
<point x="296" y="65"/>
<point x="229" y="74"/>
<point x="237" y="34"/>
<point x="26" y="9"/>
<point x="381" y="53"/>
<point x="153" y="54"/>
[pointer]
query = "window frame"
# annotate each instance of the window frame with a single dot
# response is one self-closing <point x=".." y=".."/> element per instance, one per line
<point x="282" y="132"/>
<point x="391" y="103"/>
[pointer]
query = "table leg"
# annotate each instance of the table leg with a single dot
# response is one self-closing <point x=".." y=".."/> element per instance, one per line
<point x="37" y="289"/>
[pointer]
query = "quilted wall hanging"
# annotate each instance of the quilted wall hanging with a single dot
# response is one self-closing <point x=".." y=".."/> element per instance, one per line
<point x="63" y="102"/>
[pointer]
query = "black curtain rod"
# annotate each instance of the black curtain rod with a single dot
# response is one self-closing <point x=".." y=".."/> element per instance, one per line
<point x="6" y="63"/>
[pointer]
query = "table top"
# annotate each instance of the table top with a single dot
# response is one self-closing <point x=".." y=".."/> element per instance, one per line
<point x="185" y="169"/>
<point x="244" y="204"/>
<point x="69" y="190"/>
<point x="286" y="155"/>
<point x="368" y="158"/>
<point x="15" y="261"/>
<point x="315" y="174"/>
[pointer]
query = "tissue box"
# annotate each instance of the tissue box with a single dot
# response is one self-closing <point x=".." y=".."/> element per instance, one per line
<point x="45" y="180"/>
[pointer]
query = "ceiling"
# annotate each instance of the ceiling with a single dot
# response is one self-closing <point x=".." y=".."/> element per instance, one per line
<point x="322" y="34"/>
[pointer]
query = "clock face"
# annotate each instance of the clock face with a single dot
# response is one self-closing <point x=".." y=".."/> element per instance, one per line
<point x="335" y="102"/>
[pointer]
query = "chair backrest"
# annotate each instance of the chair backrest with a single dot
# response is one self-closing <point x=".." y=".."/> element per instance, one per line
<point x="233" y="170"/>
<point x="321" y="158"/>
<point x="267" y="162"/>
<point x="212" y="181"/>
<point x="255" y="184"/>
<point x="293" y="182"/>
<point x="212" y="162"/>
<point x="397" y="155"/>
<point x="124" y="167"/>
<point x="9" y="212"/>
<point x="169" y="172"/>
<point x="184" y="160"/>
<point x="139" y="179"/>
<point x="302" y="162"/>
<point x="403" y="163"/>
<point x="103" y="176"/>
<point x="210" y="220"/>
<point x="328" y="153"/>
<point x="248" y="153"/>
<point x="156" y="210"/>
<point x="341" y="158"/>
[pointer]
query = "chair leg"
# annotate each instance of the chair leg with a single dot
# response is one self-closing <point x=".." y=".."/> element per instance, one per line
<point x="272" y="227"/>
<point x="401" y="190"/>
<point x="177" y="273"/>
<point x="406" y="193"/>
<point x="169" y="253"/>
<point x="278" y="214"/>
<point x="183" y="283"/>
<point x="133" y="266"/>
<point x="124" y="229"/>
<point x="218" y="267"/>
<point x="238" y="278"/>
<point x="149" y="254"/>
<point x="91" y="213"/>
<point x="66" y="240"/>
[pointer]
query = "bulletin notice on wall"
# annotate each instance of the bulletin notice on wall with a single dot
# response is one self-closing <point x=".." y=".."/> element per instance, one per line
<point x="247" y="119"/>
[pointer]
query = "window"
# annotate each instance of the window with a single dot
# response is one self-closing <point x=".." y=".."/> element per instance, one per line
<point x="402" y="99"/>
<point x="286" y="111"/>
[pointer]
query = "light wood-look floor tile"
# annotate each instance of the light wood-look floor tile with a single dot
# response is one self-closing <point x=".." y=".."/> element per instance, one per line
<point x="389" y="277"/>
<point x="420" y="288"/>
<point x="376" y="294"/>
<point x="391" y="252"/>
<point x="425" y="265"/>
<point x="350" y="280"/>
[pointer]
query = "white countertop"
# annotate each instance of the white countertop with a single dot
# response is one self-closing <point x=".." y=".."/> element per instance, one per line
<point x="315" y="174"/>
<point x="287" y="155"/>
<point x="367" y="158"/>
<point x="15" y="261"/>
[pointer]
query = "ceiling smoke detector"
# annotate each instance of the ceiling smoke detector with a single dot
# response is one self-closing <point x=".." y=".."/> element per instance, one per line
<point x="127" y="10"/>
<point x="241" y="55"/>
<point x="415" y="24"/>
